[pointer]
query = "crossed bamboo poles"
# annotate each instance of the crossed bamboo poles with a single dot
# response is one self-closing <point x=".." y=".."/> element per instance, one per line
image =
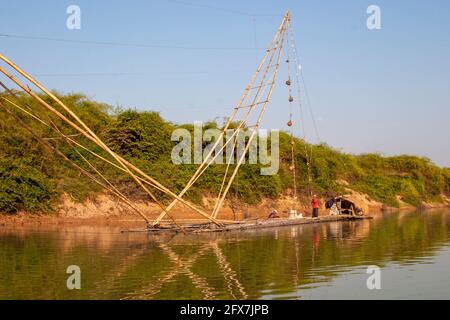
<point x="274" y="51"/>
<point x="259" y="98"/>
<point x="140" y="177"/>
<point x="184" y="267"/>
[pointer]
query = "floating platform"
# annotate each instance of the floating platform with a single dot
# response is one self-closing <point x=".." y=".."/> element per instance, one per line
<point x="250" y="224"/>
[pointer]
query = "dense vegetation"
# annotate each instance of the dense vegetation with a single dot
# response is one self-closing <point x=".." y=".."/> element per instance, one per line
<point x="32" y="179"/>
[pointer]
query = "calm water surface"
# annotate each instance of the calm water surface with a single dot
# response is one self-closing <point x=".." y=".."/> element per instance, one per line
<point x="327" y="261"/>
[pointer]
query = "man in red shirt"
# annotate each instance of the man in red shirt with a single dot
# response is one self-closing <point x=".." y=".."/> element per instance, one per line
<point x="315" y="205"/>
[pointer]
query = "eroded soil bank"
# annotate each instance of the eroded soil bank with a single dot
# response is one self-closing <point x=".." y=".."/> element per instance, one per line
<point x="105" y="209"/>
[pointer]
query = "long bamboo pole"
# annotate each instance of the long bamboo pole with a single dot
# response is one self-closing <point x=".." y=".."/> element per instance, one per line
<point x="124" y="163"/>
<point x="72" y="141"/>
<point x="62" y="155"/>
<point x="93" y="138"/>
<point x="121" y="161"/>
<point x="114" y="188"/>
<point x="30" y="114"/>
<point x="87" y="131"/>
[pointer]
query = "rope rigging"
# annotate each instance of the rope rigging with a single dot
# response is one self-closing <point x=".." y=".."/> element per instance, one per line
<point x="290" y="123"/>
<point x="299" y="79"/>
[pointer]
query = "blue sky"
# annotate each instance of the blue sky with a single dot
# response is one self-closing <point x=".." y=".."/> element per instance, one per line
<point x="382" y="91"/>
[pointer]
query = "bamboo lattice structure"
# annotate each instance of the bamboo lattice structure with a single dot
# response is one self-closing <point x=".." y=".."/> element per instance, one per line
<point x="267" y="74"/>
<point x="252" y="105"/>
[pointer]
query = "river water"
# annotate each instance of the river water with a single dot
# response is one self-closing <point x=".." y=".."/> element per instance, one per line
<point x="324" y="261"/>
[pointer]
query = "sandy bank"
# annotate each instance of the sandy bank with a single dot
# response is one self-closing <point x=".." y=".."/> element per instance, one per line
<point x="105" y="209"/>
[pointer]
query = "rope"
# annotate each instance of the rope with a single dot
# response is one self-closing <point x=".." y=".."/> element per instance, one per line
<point x="290" y="123"/>
<point x="298" y="76"/>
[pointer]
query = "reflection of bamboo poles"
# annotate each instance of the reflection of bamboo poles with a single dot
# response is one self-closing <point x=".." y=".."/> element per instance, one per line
<point x="184" y="266"/>
<point x="297" y="265"/>
<point x="109" y="280"/>
<point x="89" y="134"/>
<point x="198" y="281"/>
<point x="207" y="161"/>
<point x="228" y="273"/>
<point x="180" y="266"/>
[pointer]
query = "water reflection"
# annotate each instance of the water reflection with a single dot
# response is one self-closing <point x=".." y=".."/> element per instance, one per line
<point x="184" y="266"/>
<point x="288" y="262"/>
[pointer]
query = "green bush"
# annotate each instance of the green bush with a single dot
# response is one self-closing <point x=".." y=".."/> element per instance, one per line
<point x="23" y="187"/>
<point x="446" y="174"/>
<point x="142" y="135"/>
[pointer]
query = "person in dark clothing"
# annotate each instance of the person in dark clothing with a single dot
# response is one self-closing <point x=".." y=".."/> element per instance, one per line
<point x="329" y="203"/>
<point x="315" y="206"/>
<point x="273" y="215"/>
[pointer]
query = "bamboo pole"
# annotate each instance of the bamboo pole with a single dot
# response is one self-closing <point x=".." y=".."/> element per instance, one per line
<point x="46" y="144"/>
<point x="73" y="141"/>
<point x="293" y="164"/>
<point x="121" y="195"/>
<point x="87" y="131"/>
<point x="55" y="150"/>
<point x="93" y="138"/>
<point x="70" y="142"/>
<point x="124" y="163"/>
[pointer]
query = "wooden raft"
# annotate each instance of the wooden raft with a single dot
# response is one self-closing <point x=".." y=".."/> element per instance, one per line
<point x="250" y="224"/>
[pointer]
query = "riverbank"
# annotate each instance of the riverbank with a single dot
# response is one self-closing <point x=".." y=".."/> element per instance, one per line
<point x="34" y="180"/>
<point x="105" y="210"/>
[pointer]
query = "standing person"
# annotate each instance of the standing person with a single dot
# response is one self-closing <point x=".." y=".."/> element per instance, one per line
<point x="315" y="206"/>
